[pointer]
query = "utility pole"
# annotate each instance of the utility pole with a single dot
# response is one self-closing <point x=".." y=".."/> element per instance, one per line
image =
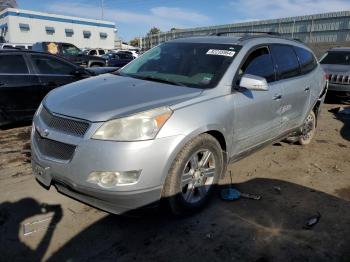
<point x="102" y="7"/>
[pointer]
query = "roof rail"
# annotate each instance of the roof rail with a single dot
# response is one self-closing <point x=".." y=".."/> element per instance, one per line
<point x="245" y="32"/>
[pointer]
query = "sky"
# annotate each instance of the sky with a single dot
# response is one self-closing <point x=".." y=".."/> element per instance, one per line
<point x="134" y="18"/>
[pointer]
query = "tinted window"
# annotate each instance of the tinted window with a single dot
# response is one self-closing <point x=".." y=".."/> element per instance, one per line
<point x="286" y="60"/>
<point x="338" y="58"/>
<point x="13" y="64"/>
<point x="101" y="52"/>
<point x="262" y="66"/>
<point x="259" y="63"/>
<point x="51" y="65"/>
<point x="306" y="59"/>
<point x="93" y="52"/>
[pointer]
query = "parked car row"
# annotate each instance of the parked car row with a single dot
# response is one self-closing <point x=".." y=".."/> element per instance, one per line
<point x="27" y="76"/>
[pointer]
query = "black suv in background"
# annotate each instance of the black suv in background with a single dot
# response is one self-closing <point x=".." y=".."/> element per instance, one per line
<point x="27" y="76"/>
<point x="69" y="52"/>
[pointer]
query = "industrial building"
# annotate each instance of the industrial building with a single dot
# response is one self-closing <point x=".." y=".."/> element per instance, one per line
<point x="7" y="4"/>
<point x="24" y="26"/>
<point x="329" y="28"/>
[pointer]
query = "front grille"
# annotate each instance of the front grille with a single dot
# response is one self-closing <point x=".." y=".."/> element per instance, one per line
<point x="54" y="149"/>
<point x="339" y="79"/>
<point x="66" y="125"/>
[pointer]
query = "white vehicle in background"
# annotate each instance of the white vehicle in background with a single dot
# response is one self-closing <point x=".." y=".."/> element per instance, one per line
<point x="15" y="45"/>
<point x="96" y="52"/>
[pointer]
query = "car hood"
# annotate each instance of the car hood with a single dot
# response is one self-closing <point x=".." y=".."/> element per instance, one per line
<point x="110" y="96"/>
<point x="336" y="69"/>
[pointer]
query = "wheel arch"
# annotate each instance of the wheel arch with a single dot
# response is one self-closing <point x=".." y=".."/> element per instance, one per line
<point x="216" y="132"/>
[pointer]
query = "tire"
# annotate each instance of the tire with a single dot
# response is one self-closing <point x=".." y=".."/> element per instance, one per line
<point x="308" y="129"/>
<point x="193" y="175"/>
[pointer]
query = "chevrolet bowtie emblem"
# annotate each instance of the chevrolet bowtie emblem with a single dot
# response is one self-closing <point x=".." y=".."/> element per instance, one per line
<point x="45" y="133"/>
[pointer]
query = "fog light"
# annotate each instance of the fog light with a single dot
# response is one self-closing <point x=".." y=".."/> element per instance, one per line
<point x="112" y="179"/>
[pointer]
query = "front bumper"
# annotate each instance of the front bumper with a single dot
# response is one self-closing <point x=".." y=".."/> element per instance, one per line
<point x="153" y="157"/>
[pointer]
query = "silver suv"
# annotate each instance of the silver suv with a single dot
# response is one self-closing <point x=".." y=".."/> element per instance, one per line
<point x="166" y="125"/>
<point x="336" y="64"/>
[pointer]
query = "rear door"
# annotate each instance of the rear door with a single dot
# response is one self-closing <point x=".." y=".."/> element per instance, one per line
<point x="296" y="90"/>
<point x="53" y="72"/>
<point x="256" y="113"/>
<point x="19" y="87"/>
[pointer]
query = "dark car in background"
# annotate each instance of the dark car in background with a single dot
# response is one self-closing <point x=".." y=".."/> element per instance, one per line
<point x="69" y="52"/>
<point x="336" y="64"/>
<point x="26" y="77"/>
<point x="118" y="59"/>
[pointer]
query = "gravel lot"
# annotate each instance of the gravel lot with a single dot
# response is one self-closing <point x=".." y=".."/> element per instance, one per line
<point x="295" y="183"/>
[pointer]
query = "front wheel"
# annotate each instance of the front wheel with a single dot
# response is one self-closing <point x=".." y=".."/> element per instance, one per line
<point x="308" y="129"/>
<point x="193" y="175"/>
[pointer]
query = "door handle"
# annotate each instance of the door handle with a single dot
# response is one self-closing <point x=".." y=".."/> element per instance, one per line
<point x="2" y="84"/>
<point x="277" y="97"/>
<point x="307" y="89"/>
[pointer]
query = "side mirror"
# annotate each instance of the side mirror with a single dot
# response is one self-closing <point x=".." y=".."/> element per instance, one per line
<point x="253" y="82"/>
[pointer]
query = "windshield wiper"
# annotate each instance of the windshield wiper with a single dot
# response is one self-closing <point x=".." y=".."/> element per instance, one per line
<point x="155" y="79"/>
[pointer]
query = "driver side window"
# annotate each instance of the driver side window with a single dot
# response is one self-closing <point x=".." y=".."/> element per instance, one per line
<point x="259" y="63"/>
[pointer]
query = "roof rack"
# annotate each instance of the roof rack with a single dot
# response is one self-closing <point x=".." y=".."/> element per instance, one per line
<point x="246" y="32"/>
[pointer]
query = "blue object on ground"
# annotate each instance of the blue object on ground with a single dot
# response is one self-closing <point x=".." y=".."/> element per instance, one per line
<point x="230" y="194"/>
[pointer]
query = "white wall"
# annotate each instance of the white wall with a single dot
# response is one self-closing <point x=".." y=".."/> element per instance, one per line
<point x="38" y="33"/>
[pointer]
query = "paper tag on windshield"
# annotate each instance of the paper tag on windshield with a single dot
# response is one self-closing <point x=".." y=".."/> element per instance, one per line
<point x="220" y="52"/>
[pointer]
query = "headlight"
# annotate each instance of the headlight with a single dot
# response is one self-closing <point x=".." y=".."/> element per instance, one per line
<point x="142" y="126"/>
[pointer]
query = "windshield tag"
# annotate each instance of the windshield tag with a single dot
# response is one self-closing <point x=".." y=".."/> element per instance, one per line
<point x="221" y="52"/>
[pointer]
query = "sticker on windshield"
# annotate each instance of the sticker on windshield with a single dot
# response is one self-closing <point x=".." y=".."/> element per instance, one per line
<point x="220" y="52"/>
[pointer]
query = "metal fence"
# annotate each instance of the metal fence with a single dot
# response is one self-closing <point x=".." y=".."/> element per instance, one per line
<point x="319" y="28"/>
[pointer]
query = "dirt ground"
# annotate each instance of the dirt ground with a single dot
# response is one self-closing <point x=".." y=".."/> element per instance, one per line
<point x="295" y="183"/>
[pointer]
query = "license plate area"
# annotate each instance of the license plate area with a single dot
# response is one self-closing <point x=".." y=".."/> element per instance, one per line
<point x="42" y="173"/>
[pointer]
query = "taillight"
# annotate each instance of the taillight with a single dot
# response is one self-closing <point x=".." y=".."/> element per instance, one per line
<point x="326" y="76"/>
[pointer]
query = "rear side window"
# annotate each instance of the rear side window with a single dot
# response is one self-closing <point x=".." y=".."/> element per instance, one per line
<point x="51" y="66"/>
<point x="286" y="61"/>
<point x="306" y="59"/>
<point x="13" y="64"/>
<point x="101" y="52"/>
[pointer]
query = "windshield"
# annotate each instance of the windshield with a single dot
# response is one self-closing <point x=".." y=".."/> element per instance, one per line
<point x="337" y="58"/>
<point x="190" y="64"/>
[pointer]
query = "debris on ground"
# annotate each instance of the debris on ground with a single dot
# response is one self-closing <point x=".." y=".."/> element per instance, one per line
<point x="209" y="236"/>
<point x="250" y="196"/>
<point x="336" y="168"/>
<point x="317" y="166"/>
<point x="277" y="189"/>
<point x="36" y="226"/>
<point x="312" y="221"/>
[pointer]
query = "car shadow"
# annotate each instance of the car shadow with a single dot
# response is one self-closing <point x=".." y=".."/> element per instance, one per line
<point x="12" y="215"/>
<point x="345" y="118"/>
<point x="270" y="229"/>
